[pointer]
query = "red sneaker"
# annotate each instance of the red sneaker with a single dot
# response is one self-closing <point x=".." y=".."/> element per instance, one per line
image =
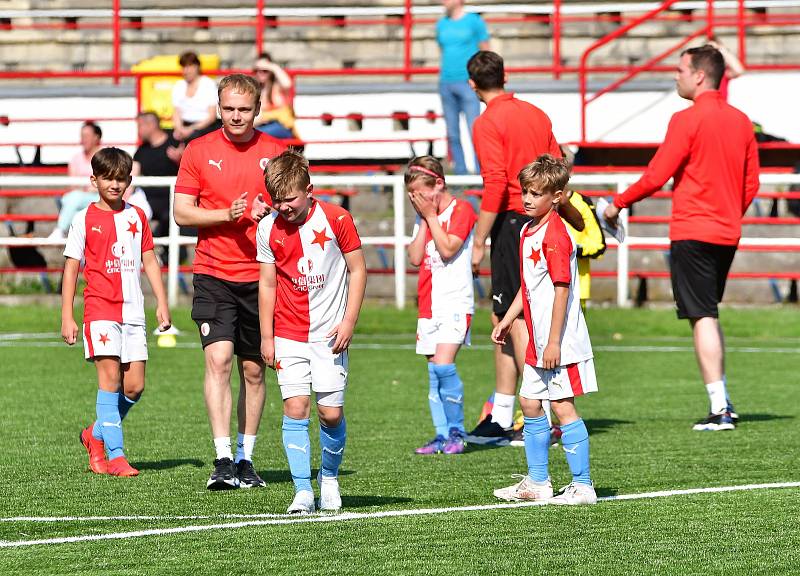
<point x="96" y="450"/>
<point x="120" y="467"/>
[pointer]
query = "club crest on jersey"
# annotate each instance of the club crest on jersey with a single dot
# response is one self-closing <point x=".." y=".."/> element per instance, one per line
<point x="305" y="266"/>
<point x="263" y="163"/>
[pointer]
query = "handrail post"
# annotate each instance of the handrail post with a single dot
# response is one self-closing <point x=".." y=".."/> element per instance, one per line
<point x="399" y="204"/>
<point x="174" y="252"/>
<point x="710" y="17"/>
<point x="407" y="40"/>
<point x="117" y="40"/>
<point x="741" y="33"/>
<point x="556" y="20"/>
<point x="623" y="254"/>
<point x="259" y="27"/>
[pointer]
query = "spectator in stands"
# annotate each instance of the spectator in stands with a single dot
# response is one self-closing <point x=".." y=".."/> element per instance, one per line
<point x="277" y="114"/>
<point x="80" y="166"/>
<point x="711" y="153"/>
<point x="158" y="155"/>
<point x="459" y="35"/>
<point x="194" y="101"/>
<point x="733" y="66"/>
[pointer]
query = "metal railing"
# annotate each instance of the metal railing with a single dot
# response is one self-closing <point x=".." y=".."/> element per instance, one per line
<point x="399" y="238"/>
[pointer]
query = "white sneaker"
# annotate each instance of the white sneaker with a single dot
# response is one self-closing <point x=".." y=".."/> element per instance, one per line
<point x="574" y="494"/>
<point x="56" y="234"/>
<point x="303" y="503"/>
<point x="329" y="498"/>
<point x="526" y="489"/>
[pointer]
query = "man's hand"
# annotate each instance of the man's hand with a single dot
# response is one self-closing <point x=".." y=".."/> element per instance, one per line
<point x="344" y="334"/>
<point x="268" y="351"/>
<point x="611" y="214"/>
<point x="175" y="153"/>
<point x="478" y="250"/>
<point x="551" y="358"/>
<point x="259" y="209"/>
<point x="69" y="330"/>
<point x="238" y="207"/>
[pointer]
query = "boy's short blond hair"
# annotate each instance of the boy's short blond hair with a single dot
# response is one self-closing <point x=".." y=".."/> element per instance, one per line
<point x="547" y="173"/>
<point x="112" y="164"/>
<point x="240" y="84"/>
<point x="286" y="174"/>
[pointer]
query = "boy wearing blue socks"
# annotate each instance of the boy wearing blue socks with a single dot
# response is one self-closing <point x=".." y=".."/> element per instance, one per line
<point x="559" y="362"/>
<point x="114" y="239"/>
<point x="311" y="285"/>
<point x="441" y="248"/>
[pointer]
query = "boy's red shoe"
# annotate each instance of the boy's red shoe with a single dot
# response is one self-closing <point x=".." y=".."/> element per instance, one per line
<point x="96" y="450"/>
<point x="120" y="467"/>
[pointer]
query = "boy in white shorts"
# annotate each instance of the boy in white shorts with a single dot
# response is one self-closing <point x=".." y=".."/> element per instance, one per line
<point x="558" y="362"/>
<point x="114" y="239"/>
<point x="442" y="248"/>
<point x="311" y="285"/>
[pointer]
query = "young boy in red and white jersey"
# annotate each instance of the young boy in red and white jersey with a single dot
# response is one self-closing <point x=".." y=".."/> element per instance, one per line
<point x="442" y="248"/>
<point x="114" y="239"/>
<point x="311" y="286"/>
<point x="559" y="362"/>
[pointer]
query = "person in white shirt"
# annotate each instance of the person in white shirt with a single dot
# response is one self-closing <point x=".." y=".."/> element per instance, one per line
<point x="559" y="361"/>
<point x="194" y="101"/>
<point x="442" y="248"/>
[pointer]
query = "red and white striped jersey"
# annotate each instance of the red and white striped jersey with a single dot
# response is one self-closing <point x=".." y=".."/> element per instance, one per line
<point x="548" y="255"/>
<point x="447" y="286"/>
<point x="311" y="270"/>
<point x="112" y="244"/>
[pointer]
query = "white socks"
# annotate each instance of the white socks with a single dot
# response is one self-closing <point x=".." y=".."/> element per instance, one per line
<point x="244" y="447"/>
<point x="717" y="397"/>
<point x="503" y="409"/>
<point x="223" y="447"/>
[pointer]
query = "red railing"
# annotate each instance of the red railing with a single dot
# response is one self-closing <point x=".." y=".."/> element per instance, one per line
<point x="119" y="19"/>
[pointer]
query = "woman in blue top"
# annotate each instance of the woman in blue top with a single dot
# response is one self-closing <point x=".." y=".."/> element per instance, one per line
<point x="460" y="35"/>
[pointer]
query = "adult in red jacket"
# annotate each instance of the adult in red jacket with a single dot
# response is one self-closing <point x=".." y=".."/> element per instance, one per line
<point x="710" y="152"/>
<point x="508" y="135"/>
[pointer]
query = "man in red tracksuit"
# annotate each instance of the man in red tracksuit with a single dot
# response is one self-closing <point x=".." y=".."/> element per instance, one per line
<point x="711" y="153"/>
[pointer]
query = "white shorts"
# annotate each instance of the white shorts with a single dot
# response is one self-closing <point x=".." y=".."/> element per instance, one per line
<point x="305" y="366"/>
<point x="442" y="329"/>
<point x="563" y="382"/>
<point x="106" y="338"/>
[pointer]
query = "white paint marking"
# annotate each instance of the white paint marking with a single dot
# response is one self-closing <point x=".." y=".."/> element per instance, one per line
<point x="286" y="519"/>
<point x="17" y="343"/>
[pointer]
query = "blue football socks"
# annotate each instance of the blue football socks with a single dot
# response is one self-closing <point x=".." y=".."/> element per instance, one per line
<point x="109" y="423"/>
<point x="297" y="445"/>
<point x="435" y="402"/>
<point x="575" y="440"/>
<point x="537" y="447"/>
<point x="332" y="441"/>
<point x="125" y="404"/>
<point x="451" y="393"/>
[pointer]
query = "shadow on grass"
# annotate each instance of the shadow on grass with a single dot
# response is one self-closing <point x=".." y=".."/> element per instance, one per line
<point x="605" y="492"/>
<point x="745" y="417"/>
<point x="283" y="476"/>
<point x="600" y="425"/>
<point x="167" y="464"/>
<point x="370" y="501"/>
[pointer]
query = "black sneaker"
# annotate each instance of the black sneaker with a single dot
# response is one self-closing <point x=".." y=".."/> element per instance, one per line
<point x="715" y="423"/>
<point x="488" y="432"/>
<point x="732" y="413"/>
<point x="247" y="475"/>
<point x="224" y="476"/>
<point x="518" y="438"/>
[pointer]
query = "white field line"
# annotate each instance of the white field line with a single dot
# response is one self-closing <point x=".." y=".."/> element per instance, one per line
<point x="21" y="343"/>
<point x="348" y="516"/>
